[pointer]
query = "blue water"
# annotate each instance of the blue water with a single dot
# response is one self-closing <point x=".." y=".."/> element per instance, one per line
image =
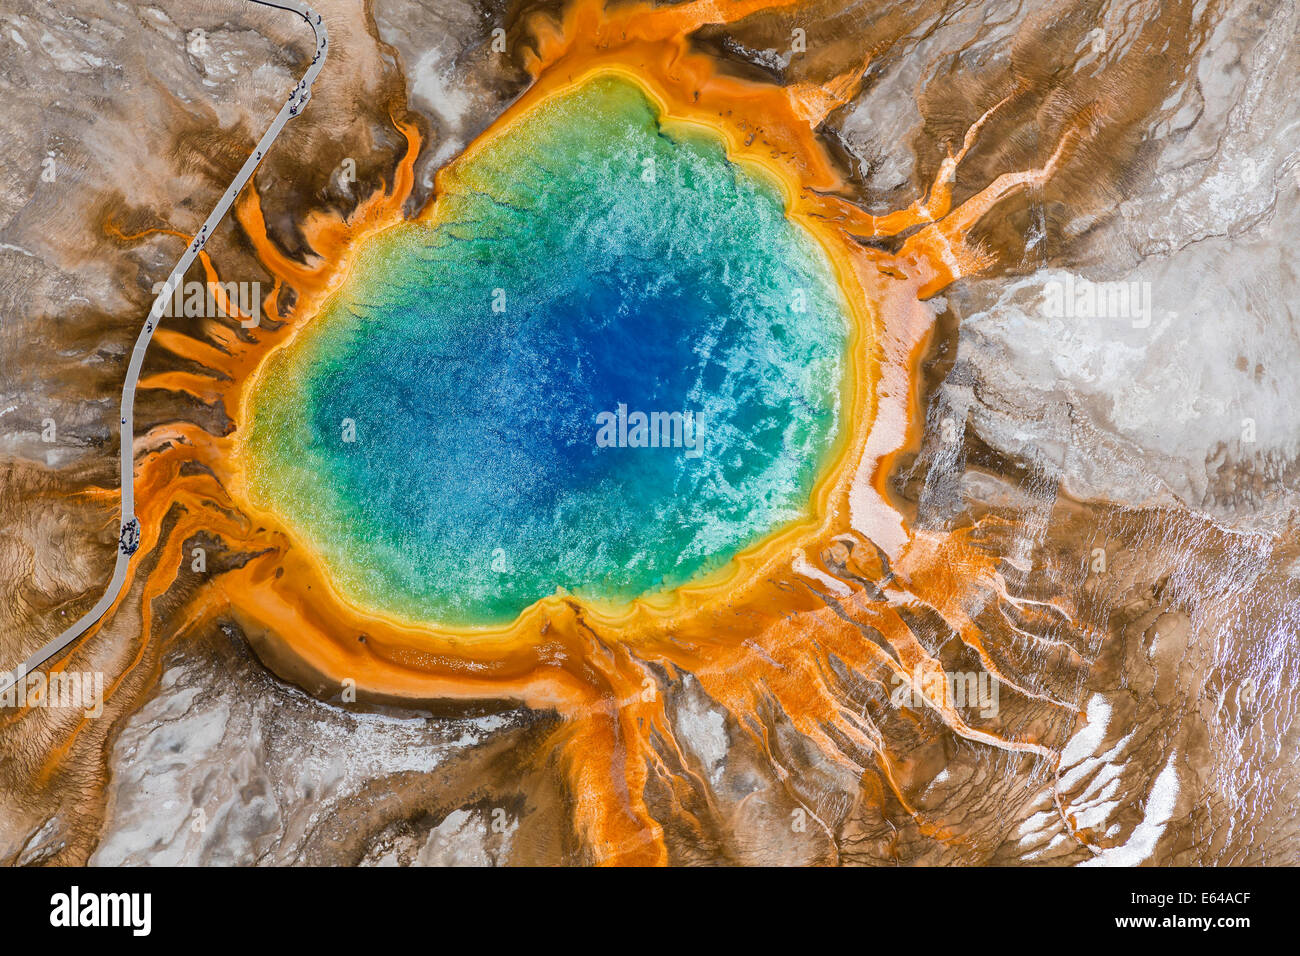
<point x="476" y="484"/>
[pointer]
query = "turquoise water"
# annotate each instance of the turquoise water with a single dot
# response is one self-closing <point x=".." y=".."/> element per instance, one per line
<point x="585" y="260"/>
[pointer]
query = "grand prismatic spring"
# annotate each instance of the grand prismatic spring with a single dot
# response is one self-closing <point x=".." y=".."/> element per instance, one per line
<point x="645" y="445"/>
<point x="475" y="354"/>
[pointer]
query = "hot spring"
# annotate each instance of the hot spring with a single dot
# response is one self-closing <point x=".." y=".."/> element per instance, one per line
<point x="434" y="433"/>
